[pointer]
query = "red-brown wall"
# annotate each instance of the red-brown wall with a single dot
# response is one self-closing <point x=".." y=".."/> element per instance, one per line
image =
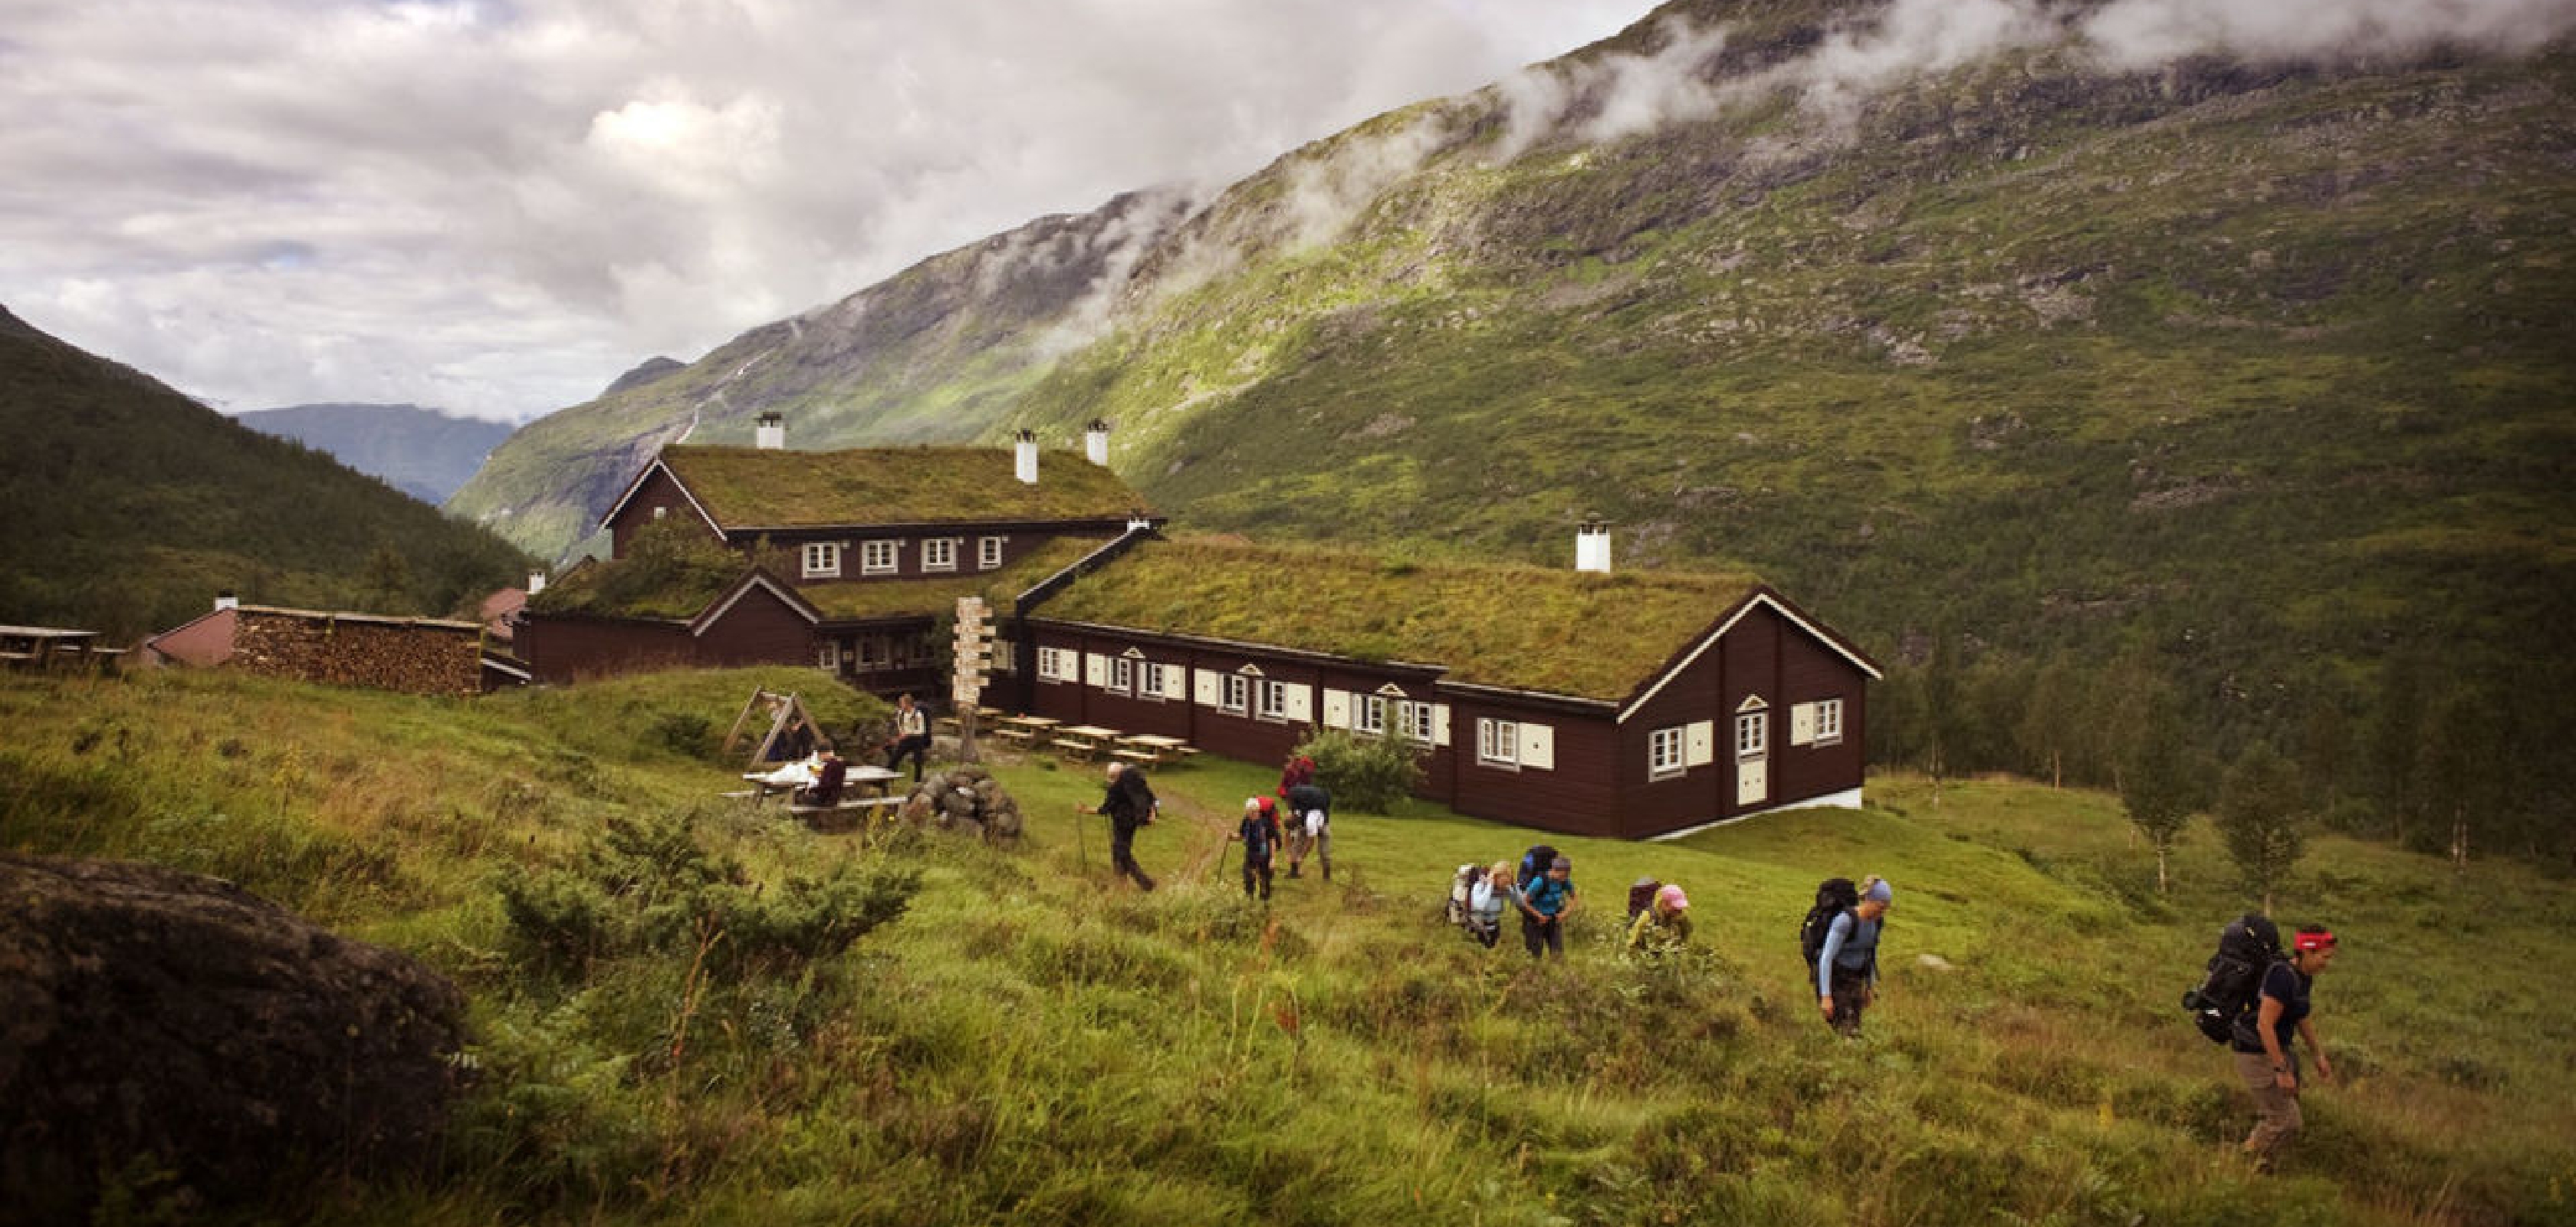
<point x="562" y="649"/>
<point x="758" y="629"/>
<point x="658" y="491"/>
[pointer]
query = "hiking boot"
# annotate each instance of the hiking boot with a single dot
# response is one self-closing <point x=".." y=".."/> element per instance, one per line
<point x="1292" y="871"/>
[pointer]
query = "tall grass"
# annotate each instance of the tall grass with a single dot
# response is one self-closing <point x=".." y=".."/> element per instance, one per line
<point x="1034" y="1041"/>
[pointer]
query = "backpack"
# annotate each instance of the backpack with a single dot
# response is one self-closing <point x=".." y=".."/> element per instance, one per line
<point x="1834" y="896"/>
<point x="1462" y="888"/>
<point x="1641" y="896"/>
<point x="2247" y="948"/>
<point x="1534" y="863"/>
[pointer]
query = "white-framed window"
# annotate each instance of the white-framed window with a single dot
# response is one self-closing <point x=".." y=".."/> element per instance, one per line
<point x="1498" y="742"/>
<point x="1057" y="664"/>
<point x="827" y="657"/>
<point x="1370" y="717"/>
<point x="875" y="652"/>
<point x="1238" y="695"/>
<point x="988" y="552"/>
<point x="1274" y="700"/>
<point x="1149" y="677"/>
<point x="1664" y="753"/>
<point x="1829" y="722"/>
<point x="877" y="557"/>
<point x="939" y="554"/>
<point x="660" y="512"/>
<point x="1752" y="735"/>
<point x="822" y="560"/>
<point x="1415" y="722"/>
<point x="1122" y="675"/>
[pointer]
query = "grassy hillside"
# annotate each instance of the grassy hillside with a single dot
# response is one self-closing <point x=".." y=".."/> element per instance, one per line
<point x="130" y="506"/>
<point x="1031" y="1043"/>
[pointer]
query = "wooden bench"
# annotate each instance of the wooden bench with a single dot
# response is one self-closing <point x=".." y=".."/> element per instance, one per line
<point x="1146" y="758"/>
<point x="1073" y="747"/>
<point x="829" y="817"/>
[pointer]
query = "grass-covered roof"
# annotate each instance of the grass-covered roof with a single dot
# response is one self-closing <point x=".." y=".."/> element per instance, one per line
<point x="674" y="571"/>
<point x="883" y="598"/>
<point x="745" y="487"/>
<point x="1532" y="628"/>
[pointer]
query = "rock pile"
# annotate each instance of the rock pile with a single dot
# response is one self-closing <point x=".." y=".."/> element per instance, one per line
<point x="147" y="1012"/>
<point x="965" y="799"/>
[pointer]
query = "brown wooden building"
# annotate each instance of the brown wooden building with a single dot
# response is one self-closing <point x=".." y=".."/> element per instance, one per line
<point x="1632" y="705"/>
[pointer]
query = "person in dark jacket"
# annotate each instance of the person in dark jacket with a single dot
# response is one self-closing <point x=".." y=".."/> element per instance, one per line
<point x="826" y="788"/>
<point x="1130" y="804"/>
<point x="1310" y="827"/>
<point x="1259" y="834"/>
<point x="2265" y="1058"/>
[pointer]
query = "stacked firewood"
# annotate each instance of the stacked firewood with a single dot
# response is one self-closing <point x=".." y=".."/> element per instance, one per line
<point x="413" y="657"/>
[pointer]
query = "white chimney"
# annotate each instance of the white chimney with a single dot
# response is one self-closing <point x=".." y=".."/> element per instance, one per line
<point x="771" y="434"/>
<point x="536" y="582"/>
<point x="1025" y="466"/>
<point x="1592" y="546"/>
<point x="1095" y="442"/>
<point x="226" y="600"/>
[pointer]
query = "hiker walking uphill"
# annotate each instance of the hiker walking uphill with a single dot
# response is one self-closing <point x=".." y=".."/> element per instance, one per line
<point x="1310" y="827"/>
<point x="1841" y="936"/>
<point x="1130" y="804"/>
<point x="1259" y="834"/>
<point x="2265" y="1058"/>
<point x="1545" y="902"/>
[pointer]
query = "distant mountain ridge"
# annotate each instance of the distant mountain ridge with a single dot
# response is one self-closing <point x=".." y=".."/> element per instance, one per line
<point x="130" y="506"/>
<point x="424" y="453"/>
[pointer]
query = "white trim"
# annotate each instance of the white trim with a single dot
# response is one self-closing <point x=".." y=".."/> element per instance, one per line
<point x="494" y="663"/>
<point x="638" y="484"/>
<point x="1758" y="598"/>
<point x="894" y="556"/>
<point x="1848" y="798"/>
<point x="795" y="605"/>
<point x="953" y="544"/>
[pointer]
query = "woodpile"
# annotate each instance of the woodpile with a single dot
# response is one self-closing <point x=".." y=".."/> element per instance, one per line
<point x="413" y="655"/>
<point x="967" y="800"/>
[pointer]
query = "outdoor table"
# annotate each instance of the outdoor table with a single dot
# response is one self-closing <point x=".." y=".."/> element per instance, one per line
<point x="1154" y="747"/>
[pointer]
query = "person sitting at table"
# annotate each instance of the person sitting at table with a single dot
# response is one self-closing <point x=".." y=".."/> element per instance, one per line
<point x="826" y="788"/>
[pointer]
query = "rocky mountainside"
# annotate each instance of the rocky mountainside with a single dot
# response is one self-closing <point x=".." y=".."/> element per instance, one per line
<point x="130" y="506"/>
<point x="2084" y="331"/>
<point x="422" y="452"/>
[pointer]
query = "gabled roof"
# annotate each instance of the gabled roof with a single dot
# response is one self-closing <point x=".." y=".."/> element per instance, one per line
<point x="752" y="580"/>
<point x="1522" y="627"/>
<point x="749" y="489"/>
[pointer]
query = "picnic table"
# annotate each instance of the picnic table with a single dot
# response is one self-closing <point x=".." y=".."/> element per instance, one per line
<point x="41" y="646"/>
<point x="858" y="780"/>
<point x="1154" y="749"/>
<point x="1024" y="730"/>
<point x="1081" y="741"/>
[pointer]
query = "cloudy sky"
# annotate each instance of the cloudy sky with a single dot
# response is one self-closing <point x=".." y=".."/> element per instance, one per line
<point x="496" y="206"/>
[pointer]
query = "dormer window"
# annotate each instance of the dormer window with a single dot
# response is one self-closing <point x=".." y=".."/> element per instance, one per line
<point x="822" y="560"/>
<point x="939" y="554"/>
<point x="988" y="552"/>
<point x="876" y="557"/>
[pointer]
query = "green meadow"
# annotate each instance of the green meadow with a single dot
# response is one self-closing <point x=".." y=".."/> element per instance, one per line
<point x="1031" y="1041"/>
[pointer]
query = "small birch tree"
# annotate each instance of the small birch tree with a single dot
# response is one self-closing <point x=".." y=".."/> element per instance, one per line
<point x="2159" y="783"/>
<point x="2262" y="820"/>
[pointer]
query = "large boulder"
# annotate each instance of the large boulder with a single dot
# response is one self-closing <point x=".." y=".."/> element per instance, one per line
<point x="157" y="1020"/>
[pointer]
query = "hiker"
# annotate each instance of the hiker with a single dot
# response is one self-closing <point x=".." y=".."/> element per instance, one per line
<point x="1545" y="902"/>
<point x="1310" y="827"/>
<point x="1847" y="966"/>
<point x="826" y="788"/>
<point x="1259" y="834"/>
<point x="911" y="736"/>
<point x="1485" y="903"/>
<point x="1663" y="925"/>
<point x="1299" y="769"/>
<point x="2265" y="1058"/>
<point x="1130" y="804"/>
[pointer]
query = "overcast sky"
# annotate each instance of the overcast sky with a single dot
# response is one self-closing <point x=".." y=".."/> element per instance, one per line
<point x="497" y="206"/>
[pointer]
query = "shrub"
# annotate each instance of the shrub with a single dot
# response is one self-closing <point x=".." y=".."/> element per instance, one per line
<point x="1363" y="773"/>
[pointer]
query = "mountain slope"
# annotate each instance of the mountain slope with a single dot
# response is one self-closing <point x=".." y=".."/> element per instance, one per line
<point x="129" y="506"/>
<point x="422" y="452"/>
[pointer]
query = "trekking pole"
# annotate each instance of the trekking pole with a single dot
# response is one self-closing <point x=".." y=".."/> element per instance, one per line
<point x="1081" y="845"/>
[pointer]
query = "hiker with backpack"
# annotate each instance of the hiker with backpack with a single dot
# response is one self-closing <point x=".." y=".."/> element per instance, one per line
<point x="1545" y="901"/>
<point x="1840" y="942"/>
<point x="1477" y="897"/>
<point x="1259" y="834"/>
<point x="1310" y="827"/>
<point x="1129" y="802"/>
<point x="1664" y="924"/>
<point x="2265" y="1057"/>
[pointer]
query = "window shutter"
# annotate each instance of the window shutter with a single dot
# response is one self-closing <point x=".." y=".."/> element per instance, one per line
<point x="1538" y="746"/>
<point x="1301" y="702"/>
<point x="1176" y="683"/>
<point x="1440" y="724"/>
<point x="1211" y="687"/>
<point x="1337" y="708"/>
<point x="1095" y="668"/>
<point x="1802" y="723"/>
<point x="1699" y="743"/>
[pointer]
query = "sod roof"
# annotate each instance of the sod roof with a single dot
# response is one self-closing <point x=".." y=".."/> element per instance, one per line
<point x="1531" y="628"/>
<point x="746" y="487"/>
<point x="602" y="589"/>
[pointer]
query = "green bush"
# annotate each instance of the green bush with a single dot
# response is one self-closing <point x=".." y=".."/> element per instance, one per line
<point x="1363" y="773"/>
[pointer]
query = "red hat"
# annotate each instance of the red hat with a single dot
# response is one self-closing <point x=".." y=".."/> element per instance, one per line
<point x="1268" y="806"/>
<point x="2320" y="940"/>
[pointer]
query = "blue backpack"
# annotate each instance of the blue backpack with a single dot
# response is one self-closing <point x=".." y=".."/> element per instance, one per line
<point x="1534" y="864"/>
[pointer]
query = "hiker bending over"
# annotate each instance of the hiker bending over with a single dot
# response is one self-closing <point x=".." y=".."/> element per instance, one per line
<point x="1847" y="970"/>
<point x="1545" y="903"/>
<point x="1663" y="925"/>
<point x="1310" y="827"/>
<point x="1259" y="834"/>
<point x="1485" y="903"/>
<point x="2266" y="1060"/>
<point x="1130" y="804"/>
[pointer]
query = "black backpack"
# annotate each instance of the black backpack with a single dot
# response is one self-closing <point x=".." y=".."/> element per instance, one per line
<point x="2247" y="948"/>
<point x="1834" y="896"/>
<point x="1641" y="895"/>
<point x="1534" y="863"/>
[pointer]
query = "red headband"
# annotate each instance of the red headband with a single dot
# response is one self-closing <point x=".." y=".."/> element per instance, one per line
<point x="2313" y="941"/>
